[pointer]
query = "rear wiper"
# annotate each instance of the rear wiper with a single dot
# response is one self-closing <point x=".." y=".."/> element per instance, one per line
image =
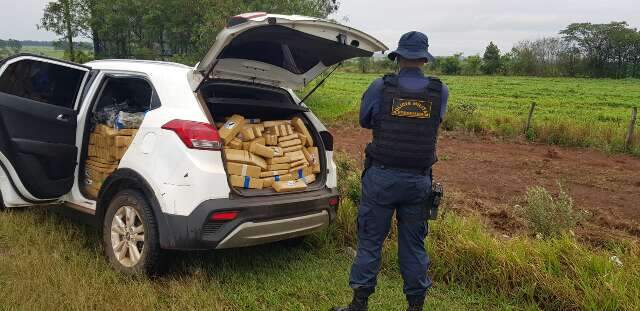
<point x="319" y="83"/>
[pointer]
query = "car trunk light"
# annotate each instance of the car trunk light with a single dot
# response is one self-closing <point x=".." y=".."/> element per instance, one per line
<point x="195" y="135"/>
<point x="224" y="216"/>
<point x="334" y="201"/>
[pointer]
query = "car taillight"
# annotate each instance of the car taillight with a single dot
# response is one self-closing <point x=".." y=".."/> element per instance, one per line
<point x="333" y="202"/>
<point x="224" y="216"/>
<point x="195" y="135"/>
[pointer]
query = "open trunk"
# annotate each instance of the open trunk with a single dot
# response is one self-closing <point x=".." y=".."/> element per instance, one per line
<point x="226" y="98"/>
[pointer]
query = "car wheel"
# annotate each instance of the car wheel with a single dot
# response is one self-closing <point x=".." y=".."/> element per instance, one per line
<point x="130" y="234"/>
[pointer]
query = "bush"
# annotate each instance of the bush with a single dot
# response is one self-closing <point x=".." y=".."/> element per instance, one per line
<point x="348" y="177"/>
<point x="548" y="215"/>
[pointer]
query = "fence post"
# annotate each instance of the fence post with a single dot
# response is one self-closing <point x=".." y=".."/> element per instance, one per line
<point x="632" y="125"/>
<point x="526" y="128"/>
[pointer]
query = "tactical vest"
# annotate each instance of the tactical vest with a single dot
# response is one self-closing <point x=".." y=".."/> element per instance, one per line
<point x="405" y="131"/>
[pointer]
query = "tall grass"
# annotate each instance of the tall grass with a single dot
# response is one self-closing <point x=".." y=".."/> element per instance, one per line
<point x="552" y="274"/>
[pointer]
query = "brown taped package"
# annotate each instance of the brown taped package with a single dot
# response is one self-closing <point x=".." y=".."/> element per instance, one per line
<point x="302" y="138"/>
<point x="295" y="156"/>
<point x="236" y="143"/>
<point x="123" y="141"/>
<point x="315" y="159"/>
<point x="247" y="145"/>
<point x="275" y="123"/>
<point x="298" y="164"/>
<point x="268" y="181"/>
<point x="262" y="150"/>
<point x="273" y="173"/>
<point x="288" y="137"/>
<point x="243" y="156"/>
<point x="271" y="139"/>
<point x="279" y="160"/>
<point x="299" y="173"/>
<point x="292" y="148"/>
<point x="289" y="186"/>
<point x="277" y="167"/>
<point x="247" y="133"/>
<point x="290" y="143"/>
<point x="230" y="129"/>
<point x="245" y="182"/>
<point x="309" y="179"/>
<point x="257" y="131"/>
<point x="243" y="169"/>
<point x="277" y="151"/>
<point x="298" y="124"/>
<point x="104" y="129"/>
<point x="106" y="147"/>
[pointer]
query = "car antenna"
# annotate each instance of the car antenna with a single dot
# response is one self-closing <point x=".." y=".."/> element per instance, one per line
<point x="319" y="83"/>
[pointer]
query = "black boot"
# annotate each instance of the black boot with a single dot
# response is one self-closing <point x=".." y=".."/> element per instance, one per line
<point x="416" y="303"/>
<point x="360" y="301"/>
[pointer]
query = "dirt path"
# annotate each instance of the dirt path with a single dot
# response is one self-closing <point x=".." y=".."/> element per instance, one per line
<point x="489" y="177"/>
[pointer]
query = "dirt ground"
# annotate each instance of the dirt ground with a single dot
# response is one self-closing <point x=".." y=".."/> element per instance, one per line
<point x="488" y="176"/>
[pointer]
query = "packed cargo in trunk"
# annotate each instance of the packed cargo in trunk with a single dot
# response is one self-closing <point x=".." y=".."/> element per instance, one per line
<point x="269" y="145"/>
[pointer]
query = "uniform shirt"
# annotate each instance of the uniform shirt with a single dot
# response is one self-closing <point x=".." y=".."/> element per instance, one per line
<point x="409" y="78"/>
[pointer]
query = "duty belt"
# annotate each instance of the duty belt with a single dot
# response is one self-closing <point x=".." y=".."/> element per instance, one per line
<point x="425" y="171"/>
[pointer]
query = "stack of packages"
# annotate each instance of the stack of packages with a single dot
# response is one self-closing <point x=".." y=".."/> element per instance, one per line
<point x="106" y="147"/>
<point x="272" y="154"/>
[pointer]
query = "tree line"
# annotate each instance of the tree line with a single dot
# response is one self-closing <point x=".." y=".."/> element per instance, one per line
<point x="581" y="50"/>
<point x="176" y="30"/>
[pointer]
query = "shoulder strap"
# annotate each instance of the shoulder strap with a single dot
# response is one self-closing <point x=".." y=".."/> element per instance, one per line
<point x="390" y="79"/>
<point x="435" y="84"/>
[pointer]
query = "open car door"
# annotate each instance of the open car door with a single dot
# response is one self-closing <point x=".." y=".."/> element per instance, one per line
<point x="39" y="99"/>
<point x="281" y="50"/>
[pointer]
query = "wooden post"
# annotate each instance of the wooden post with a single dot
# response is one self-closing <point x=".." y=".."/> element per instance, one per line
<point x="632" y="125"/>
<point x="526" y="128"/>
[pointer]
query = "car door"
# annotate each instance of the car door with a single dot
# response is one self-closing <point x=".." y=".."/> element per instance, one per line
<point x="39" y="98"/>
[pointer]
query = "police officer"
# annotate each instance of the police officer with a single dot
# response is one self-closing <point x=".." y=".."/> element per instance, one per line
<point x="404" y="110"/>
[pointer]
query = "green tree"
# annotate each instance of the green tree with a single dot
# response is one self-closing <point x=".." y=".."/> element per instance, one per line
<point x="471" y="65"/>
<point x="14" y="45"/>
<point x="180" y="30"/>
<point x="66" y="18"/>
<point x="491" y="59"/>
<point x="451" y="65"/>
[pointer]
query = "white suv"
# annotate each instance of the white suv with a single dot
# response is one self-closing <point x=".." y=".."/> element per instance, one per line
<point x="170" y="189"/>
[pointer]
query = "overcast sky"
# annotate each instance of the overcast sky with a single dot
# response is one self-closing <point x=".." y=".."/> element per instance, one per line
<point x="452" y="25"/>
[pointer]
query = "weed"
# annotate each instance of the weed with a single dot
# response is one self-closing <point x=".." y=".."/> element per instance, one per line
<point x="548" y="215"/>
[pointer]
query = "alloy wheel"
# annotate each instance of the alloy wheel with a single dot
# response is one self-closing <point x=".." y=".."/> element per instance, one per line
<point x="127" y="236"/>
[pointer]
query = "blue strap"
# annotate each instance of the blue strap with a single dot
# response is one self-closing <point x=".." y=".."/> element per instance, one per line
<point x="300" y="175"/>
<point x="277" y="177"/>
<point x="247" y="179"/>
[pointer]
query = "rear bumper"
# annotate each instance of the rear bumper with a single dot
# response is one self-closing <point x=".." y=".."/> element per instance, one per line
<point x="260" y="220"/>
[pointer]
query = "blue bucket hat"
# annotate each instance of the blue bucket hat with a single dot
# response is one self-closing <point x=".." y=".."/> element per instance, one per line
<point x="413" y="45"/>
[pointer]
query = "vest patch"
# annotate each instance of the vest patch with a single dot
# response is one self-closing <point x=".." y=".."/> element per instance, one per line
<point x="411" y="108"/>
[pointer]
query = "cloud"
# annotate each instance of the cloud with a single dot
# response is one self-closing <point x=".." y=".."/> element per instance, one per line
<point x="468" y="26"/>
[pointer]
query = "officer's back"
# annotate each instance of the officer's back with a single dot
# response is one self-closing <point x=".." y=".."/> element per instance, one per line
<point x="404" y="111"/>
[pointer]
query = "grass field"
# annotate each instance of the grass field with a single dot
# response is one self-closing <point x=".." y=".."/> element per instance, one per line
<point x="44" y="51"/>
<point x="573" y="112"/>
<point x="48" y="261"/>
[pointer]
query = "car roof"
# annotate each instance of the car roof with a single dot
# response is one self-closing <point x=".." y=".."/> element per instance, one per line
<point x="144" y="66"/>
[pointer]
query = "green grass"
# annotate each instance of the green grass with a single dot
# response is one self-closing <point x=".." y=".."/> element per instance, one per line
<point x="48" y="51"/>
<point x="570" y="111"/>
<point x="49" y="262"/>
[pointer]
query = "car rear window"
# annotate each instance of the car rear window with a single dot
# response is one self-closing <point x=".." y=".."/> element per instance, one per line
<point x="43" y="82"/>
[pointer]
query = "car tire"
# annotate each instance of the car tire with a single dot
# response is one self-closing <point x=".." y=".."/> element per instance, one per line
<point x="130" y="235"/>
